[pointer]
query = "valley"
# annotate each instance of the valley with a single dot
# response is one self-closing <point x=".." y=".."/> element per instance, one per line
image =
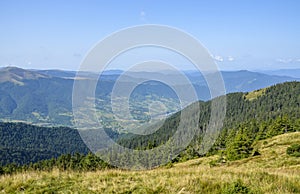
<point x="44" y="97"/>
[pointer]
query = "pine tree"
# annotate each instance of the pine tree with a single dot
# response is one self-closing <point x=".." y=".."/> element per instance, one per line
<point x="240" y="147"/>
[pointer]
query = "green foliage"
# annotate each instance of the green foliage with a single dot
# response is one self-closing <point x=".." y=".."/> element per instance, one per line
<point x="169" y="165"/>
<point x="240" y="146"/>
<point x="66" y="162"/>
<point x="220" y="160"/>
<point x="293" y="150"/>
<point x="280" y="126"/>
<point x="23" y="143"/>
<point x="241" y="140"/>
<point x="274" y="112"/>
<point x="236" y="187"/>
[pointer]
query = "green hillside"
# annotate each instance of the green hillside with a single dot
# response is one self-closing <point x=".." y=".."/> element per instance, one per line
<point x="23" y="143"/>
<point x="250" y="117"/>
<point x="257" y="111"/>
<point x="273" y="171"/>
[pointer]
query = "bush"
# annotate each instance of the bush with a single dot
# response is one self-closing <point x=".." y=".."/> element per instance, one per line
<point x="293" y="150"/>
<point x="255" y="153"/>
<point x="169" y="165"/>
<point x="1" y="170"/>
<point x="221" y="160"/>
<point x="236" y="187"/>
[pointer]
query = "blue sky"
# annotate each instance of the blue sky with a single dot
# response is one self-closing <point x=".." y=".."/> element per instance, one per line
<point x="239" y="34"/>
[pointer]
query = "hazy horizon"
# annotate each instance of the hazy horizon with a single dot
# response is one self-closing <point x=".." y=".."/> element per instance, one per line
<point x="147" y="70"/>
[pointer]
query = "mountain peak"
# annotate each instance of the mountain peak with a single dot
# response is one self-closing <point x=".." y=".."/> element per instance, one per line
<point x="17" y="75"/>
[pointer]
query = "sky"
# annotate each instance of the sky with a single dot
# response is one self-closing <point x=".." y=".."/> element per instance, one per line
<point x="239" y="34"/>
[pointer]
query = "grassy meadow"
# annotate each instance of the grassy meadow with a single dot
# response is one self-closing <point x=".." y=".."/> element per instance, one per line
<point x="271" y="172"/>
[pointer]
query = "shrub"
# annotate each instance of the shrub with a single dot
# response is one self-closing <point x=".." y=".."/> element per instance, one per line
<point x="240" y="147"/>
<point x="236" y="187"/>
<point x="221" y="160"/>
<point x="293" y="150"/>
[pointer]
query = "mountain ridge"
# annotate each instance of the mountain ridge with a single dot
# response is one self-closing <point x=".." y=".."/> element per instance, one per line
<point x="45" y="97"/>
<point x="17" y="75"/>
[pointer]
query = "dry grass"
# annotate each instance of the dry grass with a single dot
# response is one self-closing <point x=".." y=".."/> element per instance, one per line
<point x="271" y="172"/>
<point x="255" y="94"/>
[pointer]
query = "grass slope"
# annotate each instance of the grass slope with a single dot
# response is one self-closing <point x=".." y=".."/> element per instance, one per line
<point x="271" y="172"/>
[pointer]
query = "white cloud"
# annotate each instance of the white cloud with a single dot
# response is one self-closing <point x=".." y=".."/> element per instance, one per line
<point x="219" y="58"/>
<point x="284" y="60"/>
<point x="230" y="58"/>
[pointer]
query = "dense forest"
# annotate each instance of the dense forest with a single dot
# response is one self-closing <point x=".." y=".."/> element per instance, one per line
<point x="259" y="108"/>
<point x="23" y="143"/>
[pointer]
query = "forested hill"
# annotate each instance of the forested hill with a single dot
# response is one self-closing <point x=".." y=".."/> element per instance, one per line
<point x="257" y="115"/>
<point x="257" y="110"/>
<point x="22" y="143"/>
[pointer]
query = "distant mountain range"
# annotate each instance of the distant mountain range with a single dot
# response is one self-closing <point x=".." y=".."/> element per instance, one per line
<point x="45" y="96"/>
<point x="235" y="81"/>
<point x="284" y="72"/>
